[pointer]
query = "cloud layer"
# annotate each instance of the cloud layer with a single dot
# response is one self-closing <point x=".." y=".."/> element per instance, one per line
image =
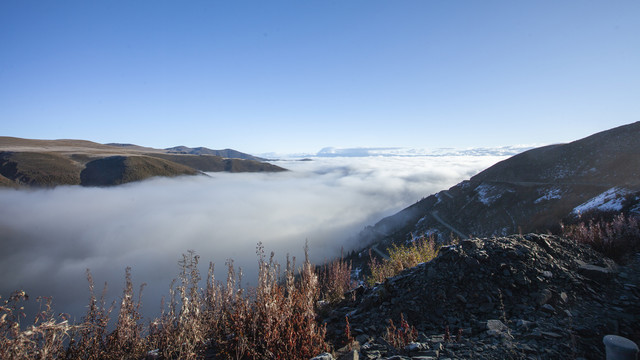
<point x="50" y="237"/>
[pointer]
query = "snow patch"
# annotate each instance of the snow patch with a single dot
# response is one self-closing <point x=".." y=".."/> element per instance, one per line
<point x="551" y="194"/>
<point x="355" y="273"/>
<point x="488" y="194"/>
<point x="560" y="172"/>
<point x="610" y="200"/>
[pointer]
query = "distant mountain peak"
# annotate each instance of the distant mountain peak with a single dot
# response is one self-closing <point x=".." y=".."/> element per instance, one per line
<point x="225" y="153"/>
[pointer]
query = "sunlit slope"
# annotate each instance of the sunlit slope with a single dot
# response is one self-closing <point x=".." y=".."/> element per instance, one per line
<point x="48" y="163"/>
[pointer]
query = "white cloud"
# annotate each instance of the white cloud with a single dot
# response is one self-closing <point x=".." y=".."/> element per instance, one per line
<point x="49" y="237"/>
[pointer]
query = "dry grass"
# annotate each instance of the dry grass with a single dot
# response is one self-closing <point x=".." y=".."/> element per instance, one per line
<point x="44" y="339"/>
<point x="276" y="320"/>
<point x="335" y="279"/>
<point x="402" y="257"/>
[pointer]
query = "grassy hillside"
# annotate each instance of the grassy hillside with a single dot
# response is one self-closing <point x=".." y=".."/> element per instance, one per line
<point x="237" y="165"/>
<point x="7" y="182"/>
<point x="40" y="169"/>
<point x="212" y="163"/>
<point x="116" y="170"/>
<point x="48" y="163"/>
<point x="606" y="158"/>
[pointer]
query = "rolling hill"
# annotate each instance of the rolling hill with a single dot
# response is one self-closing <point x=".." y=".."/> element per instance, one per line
<point x="49" y="163"/>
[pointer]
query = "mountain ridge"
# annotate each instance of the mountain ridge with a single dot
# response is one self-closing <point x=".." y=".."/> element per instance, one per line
<point x="224" y="153"/>
<point x="49" y="163"/>
<point x="528" y="192"/>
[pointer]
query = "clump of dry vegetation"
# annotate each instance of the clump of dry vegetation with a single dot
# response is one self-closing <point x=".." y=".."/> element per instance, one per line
<point x="277" y="319"/>
<point x="44" y="339"/>
<point x="615" y="238"/>
<point x="402" y="257"/>
<point x="335" y="279"/>
<point x="401" y="336"/>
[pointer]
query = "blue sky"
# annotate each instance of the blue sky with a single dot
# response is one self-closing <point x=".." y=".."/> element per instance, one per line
<point x="297" y="76"/>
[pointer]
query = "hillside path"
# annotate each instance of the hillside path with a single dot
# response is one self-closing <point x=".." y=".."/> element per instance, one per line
<point x="377" y="251"/>
<point x="443" y="223"/>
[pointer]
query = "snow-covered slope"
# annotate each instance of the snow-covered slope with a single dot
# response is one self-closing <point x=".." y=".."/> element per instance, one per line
<point x="610" y="200"/>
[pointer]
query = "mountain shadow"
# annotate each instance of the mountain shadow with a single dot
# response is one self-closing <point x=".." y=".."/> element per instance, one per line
<point x="115" y="170"/>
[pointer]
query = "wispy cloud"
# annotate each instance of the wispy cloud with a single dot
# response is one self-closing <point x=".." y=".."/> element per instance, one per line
<point x="360" y="152"/>
<point x="49" y="237"/>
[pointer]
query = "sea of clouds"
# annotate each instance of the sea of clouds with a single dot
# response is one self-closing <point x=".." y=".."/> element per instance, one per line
<point x="50" y="237"/>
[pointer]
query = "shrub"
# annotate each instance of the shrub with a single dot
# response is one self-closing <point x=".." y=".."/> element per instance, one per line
<point x="89" y="339"/>
<point x="181" y="331"/>
<point x="42" y="340"/>
<point x="615" y="239"/>
<point x="126" y="341"/>
<point x="402" y="336"/>
<point x="335" y="280"/>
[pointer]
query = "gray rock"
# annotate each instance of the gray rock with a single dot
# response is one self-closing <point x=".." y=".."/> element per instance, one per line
<point x="471" y="245"/>
<point x="548" y="309"/>
<point x="597" y="273"/>
<point x="551" y="334"/>
<point x="362" y="338"/>
<point x="323" y="356"/>
<point x="431" y="353"/>
<point x="352" y="355"/>
<point x="496" y="325"/>
<point x="564" y="297"/>
<point x="413" y="347"/>
<point x="544" y="296"/>
<point x="524" y="324"/>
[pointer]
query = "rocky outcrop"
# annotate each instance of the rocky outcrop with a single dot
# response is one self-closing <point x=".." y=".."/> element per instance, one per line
<point x="531" y="296"/>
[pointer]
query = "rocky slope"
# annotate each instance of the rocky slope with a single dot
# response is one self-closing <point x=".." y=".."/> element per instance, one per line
<point x="515" y="297"/>
<point x="530" y="192"/>
<point x="48" y="163"/>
